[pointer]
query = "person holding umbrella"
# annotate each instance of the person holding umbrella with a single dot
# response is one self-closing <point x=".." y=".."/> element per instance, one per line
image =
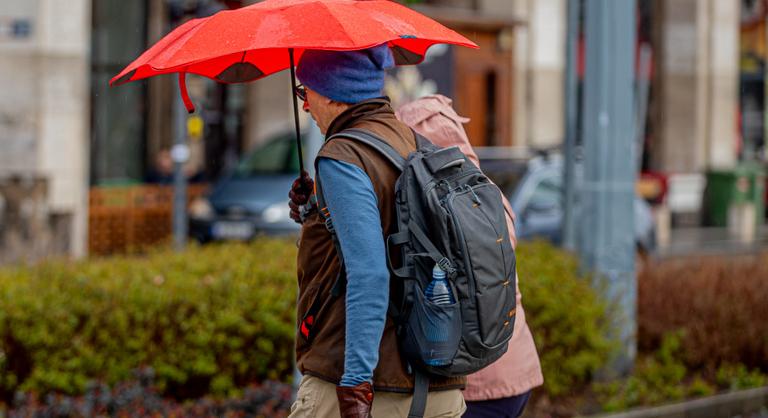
<point x="351" y="350"/>
<point x="348" y="343"/>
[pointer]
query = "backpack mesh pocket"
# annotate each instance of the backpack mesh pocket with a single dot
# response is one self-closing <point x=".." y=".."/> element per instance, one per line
<point x="432" y="332"/>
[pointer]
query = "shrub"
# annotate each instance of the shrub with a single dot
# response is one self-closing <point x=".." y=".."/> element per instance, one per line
<point x="567" y="317"/>
<point x="700" y="331"/>
<point x="214" y="319"/>
<point x="738" y="377"/>
<point x="656" y="379"/>
<point x="663" y="377"/>
<point x="720" y="304"/>
<point x="209" y="320"/>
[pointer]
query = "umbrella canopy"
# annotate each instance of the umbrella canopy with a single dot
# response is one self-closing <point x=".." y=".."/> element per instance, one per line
<point x="234" y="46"/>
<point x="246" y="44"/>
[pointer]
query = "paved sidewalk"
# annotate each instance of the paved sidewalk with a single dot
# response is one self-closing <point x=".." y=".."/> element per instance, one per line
<point x="752" y="403"/>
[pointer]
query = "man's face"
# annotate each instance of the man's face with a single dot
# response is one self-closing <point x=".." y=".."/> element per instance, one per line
<point x="317" y="106"/>
<point x="322" y="109"/>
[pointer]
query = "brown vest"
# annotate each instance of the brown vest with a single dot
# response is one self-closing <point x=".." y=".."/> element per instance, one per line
<point x="318" y="263"/>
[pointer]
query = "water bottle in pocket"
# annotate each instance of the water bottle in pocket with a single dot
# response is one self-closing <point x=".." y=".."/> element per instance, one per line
<point x="435" y="322"/>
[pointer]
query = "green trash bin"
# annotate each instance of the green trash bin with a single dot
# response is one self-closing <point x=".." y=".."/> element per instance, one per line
<point x="744" y="184"/>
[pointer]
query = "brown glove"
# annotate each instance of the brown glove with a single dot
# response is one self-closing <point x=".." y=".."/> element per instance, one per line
<point x="300" y="192"/>
<point x="355" y="402"/>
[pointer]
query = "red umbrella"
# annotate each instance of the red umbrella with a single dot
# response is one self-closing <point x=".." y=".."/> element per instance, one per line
<point x="252" y="42"/>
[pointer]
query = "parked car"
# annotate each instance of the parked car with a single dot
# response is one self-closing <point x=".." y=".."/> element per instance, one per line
<point x="534" y="187"/>
<point x="253" y="198"/>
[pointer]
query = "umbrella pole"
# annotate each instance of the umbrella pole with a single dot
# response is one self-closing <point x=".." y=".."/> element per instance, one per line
<point x="296" y="113"/>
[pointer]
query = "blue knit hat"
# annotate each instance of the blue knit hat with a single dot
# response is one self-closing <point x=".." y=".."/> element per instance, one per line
<point x="346" y="76"/>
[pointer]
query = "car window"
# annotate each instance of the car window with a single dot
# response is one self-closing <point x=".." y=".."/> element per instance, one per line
<point x="278" y="156"/>
<point x="547" y="194"/>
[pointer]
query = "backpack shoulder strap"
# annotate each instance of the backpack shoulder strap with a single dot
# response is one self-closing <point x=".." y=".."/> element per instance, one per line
<point x="423" y="143"/>
<point x="380" y="145"/>
<point x="339" y="285"/>
<point x="312" y="315"/>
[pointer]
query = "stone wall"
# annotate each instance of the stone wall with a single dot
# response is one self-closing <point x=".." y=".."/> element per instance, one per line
<point x="29" y="229"/>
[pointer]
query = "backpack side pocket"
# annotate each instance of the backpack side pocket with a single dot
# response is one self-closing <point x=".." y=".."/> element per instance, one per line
<point x="432" y="332"/>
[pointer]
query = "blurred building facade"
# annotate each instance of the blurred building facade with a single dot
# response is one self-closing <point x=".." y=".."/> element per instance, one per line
<point x="44" y="133"/>
<point x="696" y="87"/>
<point x="753" y="53"/>
<point x="63" y="130"/>
<point x="694" y="114"/>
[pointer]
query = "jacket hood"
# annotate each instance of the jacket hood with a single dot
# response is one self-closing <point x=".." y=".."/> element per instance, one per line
<point x="434" y="117"/>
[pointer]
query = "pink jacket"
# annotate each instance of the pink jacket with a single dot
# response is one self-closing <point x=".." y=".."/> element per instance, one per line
<point x="518" y="371"/>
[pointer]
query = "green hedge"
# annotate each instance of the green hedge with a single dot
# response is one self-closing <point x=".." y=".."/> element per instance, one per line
<point x="209" y="320"/>
<point x="662" y="377"/>
<point x="568" y="318"/>
<point x="216" y="318"/>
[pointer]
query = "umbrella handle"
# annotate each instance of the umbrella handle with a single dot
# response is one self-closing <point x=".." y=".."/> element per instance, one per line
<point x="296" y="113"/>
<point x="185" y="94"/>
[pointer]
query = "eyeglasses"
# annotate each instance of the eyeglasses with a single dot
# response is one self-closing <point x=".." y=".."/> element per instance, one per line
<point x="301" y="92"/>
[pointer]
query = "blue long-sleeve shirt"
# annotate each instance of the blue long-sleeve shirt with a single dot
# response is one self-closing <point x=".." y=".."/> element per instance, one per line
<point x="353" y="206"/>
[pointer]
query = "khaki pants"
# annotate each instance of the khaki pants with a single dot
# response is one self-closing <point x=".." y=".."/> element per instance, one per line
<point x="317" y="399"/>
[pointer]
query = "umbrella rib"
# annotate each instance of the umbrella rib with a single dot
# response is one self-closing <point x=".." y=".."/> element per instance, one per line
<point x="344" y="28"/>
<point x="193" y="28"/>
<point x="200" y="27"/>
<point x="146" y="57"/>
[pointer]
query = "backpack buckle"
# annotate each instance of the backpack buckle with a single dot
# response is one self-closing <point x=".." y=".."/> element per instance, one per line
<point x="446" y="265"/>
<point x="325" y="216"/>
<point x="307" y="209"/>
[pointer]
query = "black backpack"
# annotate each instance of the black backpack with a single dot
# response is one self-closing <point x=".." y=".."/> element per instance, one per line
<point x="449" y="214"/>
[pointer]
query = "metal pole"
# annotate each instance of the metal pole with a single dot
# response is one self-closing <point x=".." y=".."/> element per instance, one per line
<point x="606" y="238"/>
<point x="571" y="125"/>
<point x="180" y="155"/>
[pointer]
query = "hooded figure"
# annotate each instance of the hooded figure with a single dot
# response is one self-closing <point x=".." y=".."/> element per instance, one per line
<point x="501" y="389"/>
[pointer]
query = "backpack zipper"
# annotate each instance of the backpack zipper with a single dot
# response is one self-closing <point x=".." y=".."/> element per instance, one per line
<point x="448" y="201"/>
<point x="493" y="225"/>
<point x="434" y="183"/>
<point x="464" y="252"/>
